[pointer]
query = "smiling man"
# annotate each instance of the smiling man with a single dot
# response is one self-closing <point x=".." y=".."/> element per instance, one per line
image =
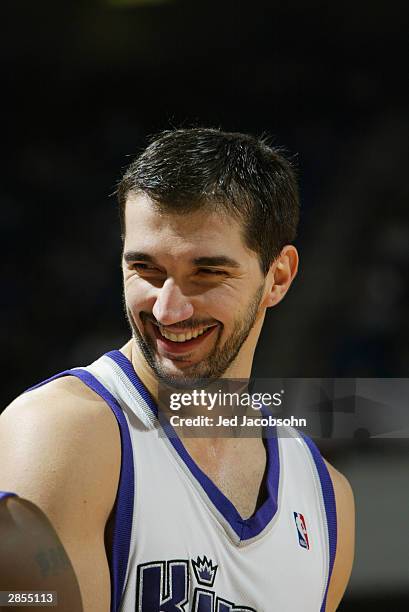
<point x="201" y="256"/>
<point x="150" y="522"/>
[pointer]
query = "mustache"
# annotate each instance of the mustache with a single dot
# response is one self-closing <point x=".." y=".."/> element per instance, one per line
<point x="188" y="325"/>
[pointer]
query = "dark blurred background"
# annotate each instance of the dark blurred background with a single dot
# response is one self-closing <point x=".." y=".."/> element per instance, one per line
<point x="84" y="85"/>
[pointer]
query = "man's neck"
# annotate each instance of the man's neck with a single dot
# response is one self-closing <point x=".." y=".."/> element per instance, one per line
<point x="240" y="369"/>
<point x="151" y="383"/>
<point x="219" y="457"/>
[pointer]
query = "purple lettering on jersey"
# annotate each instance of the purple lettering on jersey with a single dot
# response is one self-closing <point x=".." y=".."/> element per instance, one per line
<point x="162" y="587"/>
<point x="203" y="601"/>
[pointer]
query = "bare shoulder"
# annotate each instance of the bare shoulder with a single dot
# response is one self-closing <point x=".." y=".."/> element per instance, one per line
<point x="68" y="391"/>
<point x="344" y="558"/>
<point x="61" y="436"/>
<point x="60" y="449"/>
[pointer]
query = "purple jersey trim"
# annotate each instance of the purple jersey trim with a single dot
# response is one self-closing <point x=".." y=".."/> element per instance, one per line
<point x="5" y="494"/>
<point x="127" y="367"/>
<point x="330" y="508"/>
<point x="123" y="508"/>
<point x="245" y="529"/>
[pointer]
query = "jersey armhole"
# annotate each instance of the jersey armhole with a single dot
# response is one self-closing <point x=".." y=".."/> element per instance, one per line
<point x="328" y="497"/>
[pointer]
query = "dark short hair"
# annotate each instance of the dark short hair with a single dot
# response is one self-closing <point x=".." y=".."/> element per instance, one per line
<point x="184" y="170"/>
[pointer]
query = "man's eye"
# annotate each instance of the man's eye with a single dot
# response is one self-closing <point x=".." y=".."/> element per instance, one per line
<point x="211" y="272"/>
<point x="143" y="267"/>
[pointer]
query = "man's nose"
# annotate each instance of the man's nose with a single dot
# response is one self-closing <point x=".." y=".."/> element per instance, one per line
<point x="171" y="306"/>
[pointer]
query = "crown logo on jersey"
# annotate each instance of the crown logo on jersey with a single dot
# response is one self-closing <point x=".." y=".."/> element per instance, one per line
<point x="205" y="571"/>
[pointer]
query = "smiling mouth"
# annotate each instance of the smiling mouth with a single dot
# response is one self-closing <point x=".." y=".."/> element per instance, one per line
<point x="181" y="342"/>
<point x="183" y="336"/>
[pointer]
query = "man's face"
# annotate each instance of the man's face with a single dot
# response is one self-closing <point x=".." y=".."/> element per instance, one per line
<point x="193" y="291"/>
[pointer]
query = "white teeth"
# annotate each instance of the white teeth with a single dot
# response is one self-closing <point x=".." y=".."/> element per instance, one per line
<point x="183" y="337"/>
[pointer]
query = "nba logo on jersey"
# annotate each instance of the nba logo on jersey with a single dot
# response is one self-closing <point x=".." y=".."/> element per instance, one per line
<point x="301" y="530"/>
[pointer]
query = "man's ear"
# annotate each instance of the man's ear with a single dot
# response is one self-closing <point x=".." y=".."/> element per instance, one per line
<point x="281" y="274"/>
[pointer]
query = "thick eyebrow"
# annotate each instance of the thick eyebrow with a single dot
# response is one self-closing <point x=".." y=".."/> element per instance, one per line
<point x="216" y="260"/>
<point x="138" y="256"/>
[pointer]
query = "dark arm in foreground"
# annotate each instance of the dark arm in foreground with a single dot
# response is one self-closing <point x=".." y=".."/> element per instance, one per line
<point x="32" y="557"/>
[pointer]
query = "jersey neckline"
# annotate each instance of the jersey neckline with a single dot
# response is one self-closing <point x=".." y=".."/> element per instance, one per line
<point x="244" y="529"/>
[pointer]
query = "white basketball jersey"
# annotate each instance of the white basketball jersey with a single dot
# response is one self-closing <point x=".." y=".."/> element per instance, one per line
<point x="179" y="544"/>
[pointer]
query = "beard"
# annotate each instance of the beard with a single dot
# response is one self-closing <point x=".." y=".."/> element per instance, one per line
<point x="215" y="364"/>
